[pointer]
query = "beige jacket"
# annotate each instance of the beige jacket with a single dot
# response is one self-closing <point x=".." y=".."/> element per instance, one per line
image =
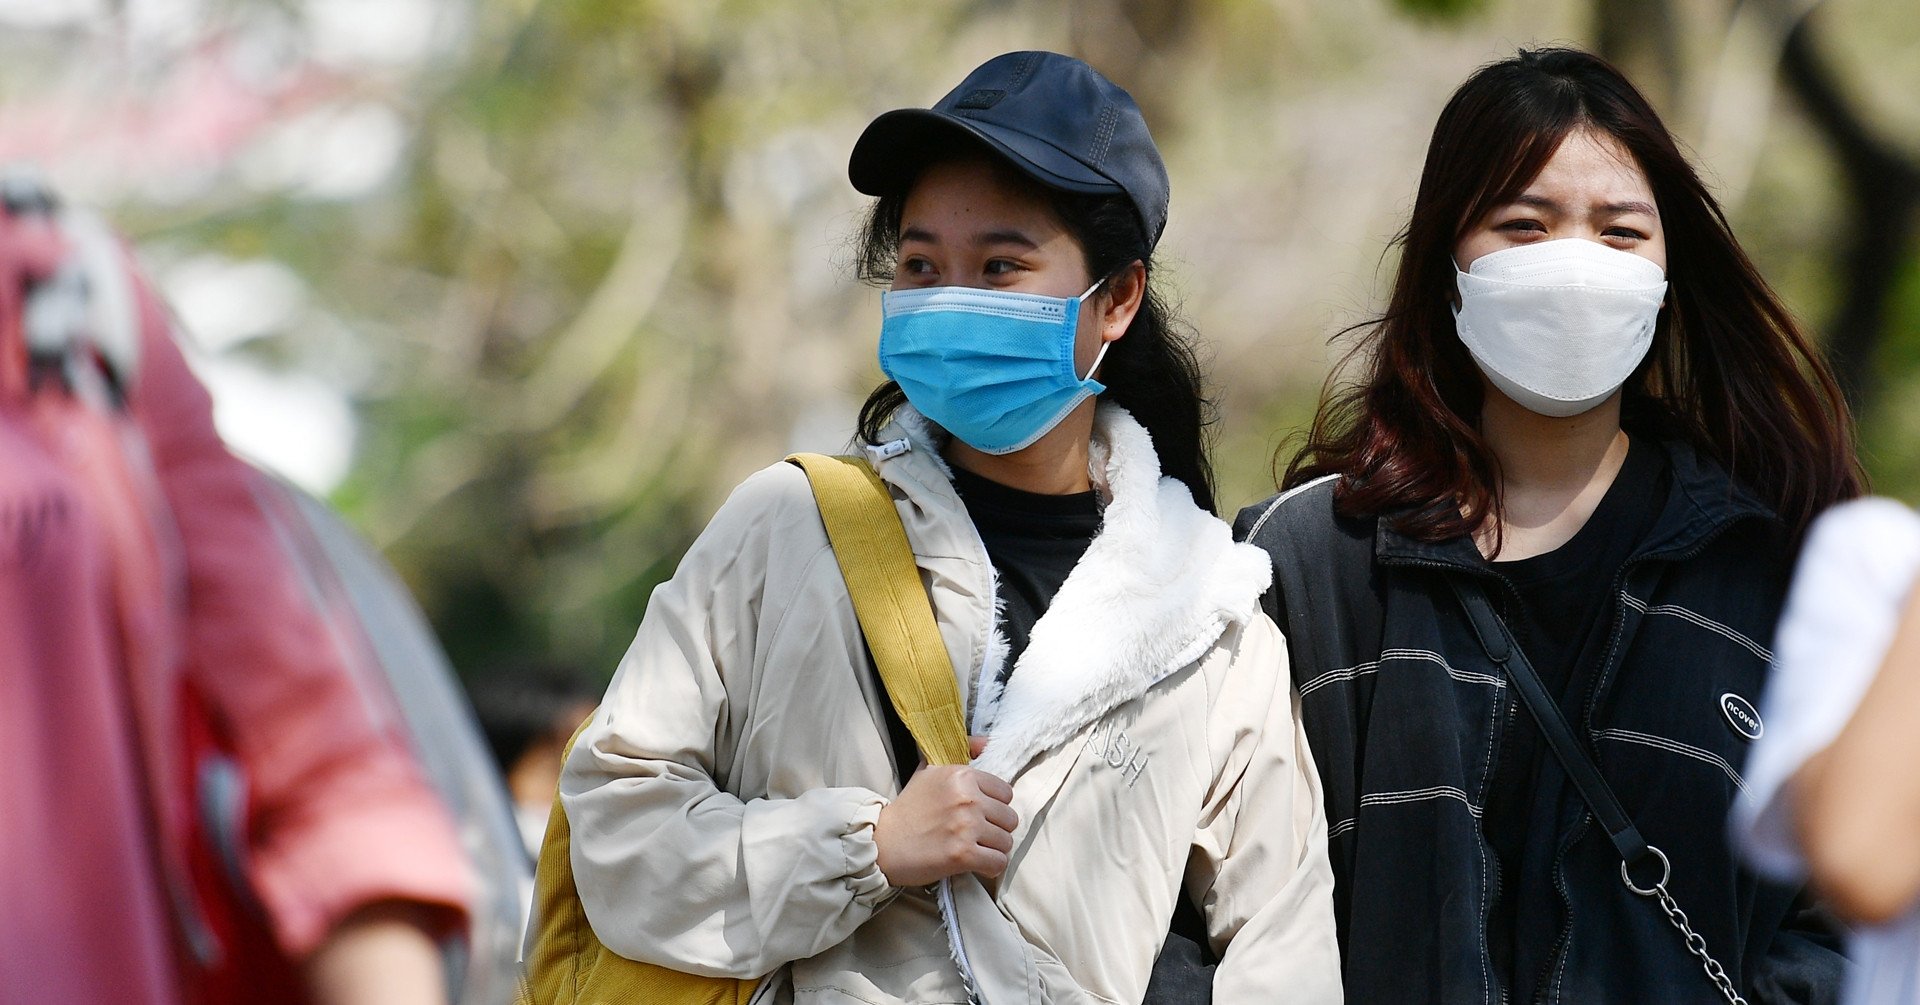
<point x="724" y="797"/>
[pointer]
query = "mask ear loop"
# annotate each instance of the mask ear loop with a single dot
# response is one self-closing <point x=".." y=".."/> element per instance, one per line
<point x="1105" y="344"/>
<point x="1097" y="357"/>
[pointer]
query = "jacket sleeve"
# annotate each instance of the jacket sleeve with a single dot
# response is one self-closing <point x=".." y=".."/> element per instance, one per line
<point x="1260" y="871"/>
<point x="1803" y="965"/>
<point x="673" y="869"/>
<point x="341" y="816"/>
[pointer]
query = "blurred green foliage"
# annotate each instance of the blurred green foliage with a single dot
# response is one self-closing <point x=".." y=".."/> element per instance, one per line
<point x="1440" y="9"/>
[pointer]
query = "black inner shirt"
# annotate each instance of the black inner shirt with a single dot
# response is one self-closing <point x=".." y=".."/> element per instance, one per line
<point x="1564" y="591"/>
<point x="1562" y="620"/>
<point x="1034" y="541"/>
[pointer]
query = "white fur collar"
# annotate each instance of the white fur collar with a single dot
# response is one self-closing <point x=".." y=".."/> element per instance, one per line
<point x="1158" y="585"/>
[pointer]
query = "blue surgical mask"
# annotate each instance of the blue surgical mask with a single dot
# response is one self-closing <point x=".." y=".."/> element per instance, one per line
<point x="991" y="367"/>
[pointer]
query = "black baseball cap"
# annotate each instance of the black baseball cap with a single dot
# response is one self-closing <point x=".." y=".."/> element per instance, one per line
<point x="1052" y="117"/>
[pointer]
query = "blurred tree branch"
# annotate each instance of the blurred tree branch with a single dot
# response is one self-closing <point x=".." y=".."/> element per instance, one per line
<point x="1882" y="185"/>
<point x="1642" y="38"/>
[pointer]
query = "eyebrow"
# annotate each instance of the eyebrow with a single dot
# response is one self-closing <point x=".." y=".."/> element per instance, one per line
<point x="991" y="237"/>
<point x="1624" y="206"/>
<point x="1632" y="206"/>
<point x="1005" y="237"/>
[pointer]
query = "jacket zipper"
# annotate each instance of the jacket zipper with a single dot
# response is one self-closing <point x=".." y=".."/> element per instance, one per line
<point x="1540" y="979"/>
<point x="1543" y="980"/>
<point x="1508" y="711"/>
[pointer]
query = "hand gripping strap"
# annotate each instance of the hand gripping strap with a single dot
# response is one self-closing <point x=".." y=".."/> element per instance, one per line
<point x="895" y="616"/>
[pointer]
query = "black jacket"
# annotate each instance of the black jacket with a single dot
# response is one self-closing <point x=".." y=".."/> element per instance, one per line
<point x="1408" y="719"/>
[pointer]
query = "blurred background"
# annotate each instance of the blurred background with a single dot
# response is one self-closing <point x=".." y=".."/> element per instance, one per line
<point x="525" y="287"/>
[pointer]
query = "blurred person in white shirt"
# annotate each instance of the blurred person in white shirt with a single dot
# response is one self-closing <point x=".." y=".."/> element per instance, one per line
<point x="1833" y="783"/>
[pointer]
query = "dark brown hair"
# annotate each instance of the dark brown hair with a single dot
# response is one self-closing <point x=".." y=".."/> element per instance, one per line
<point x="1730" y="370"/>
<point x="1153" y="371"/>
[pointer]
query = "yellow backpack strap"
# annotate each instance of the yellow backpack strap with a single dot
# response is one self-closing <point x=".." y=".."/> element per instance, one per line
<point x="566" y="963"/>
<point x="895" y="616"/>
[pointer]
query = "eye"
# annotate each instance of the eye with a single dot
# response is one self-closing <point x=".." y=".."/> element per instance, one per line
<point x="1624" y="234"/>
<point x="1522" y="226"/>
<point x="1001" y="267"/>
<point x="914" y="266"/>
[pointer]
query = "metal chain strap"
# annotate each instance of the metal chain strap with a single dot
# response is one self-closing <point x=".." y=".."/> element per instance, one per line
<point x="1695" y="944"/>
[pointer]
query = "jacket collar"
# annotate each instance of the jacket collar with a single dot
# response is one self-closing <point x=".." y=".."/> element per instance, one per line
<point x="1160" y="583"/>
<point x="1702" y="500"/>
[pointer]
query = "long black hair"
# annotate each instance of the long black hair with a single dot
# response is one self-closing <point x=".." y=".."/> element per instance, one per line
<point x="1152" y="371"/>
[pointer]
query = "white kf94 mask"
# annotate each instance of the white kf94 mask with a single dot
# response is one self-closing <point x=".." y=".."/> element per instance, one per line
<point x="1558" y="326"/>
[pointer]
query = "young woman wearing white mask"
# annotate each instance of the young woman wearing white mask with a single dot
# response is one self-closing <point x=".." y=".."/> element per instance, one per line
<point x="1529" y="563"/>
<point x="741" y="805"/>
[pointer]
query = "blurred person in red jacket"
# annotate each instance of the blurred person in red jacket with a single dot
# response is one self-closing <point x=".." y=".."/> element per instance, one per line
<point x="148" y="617"/>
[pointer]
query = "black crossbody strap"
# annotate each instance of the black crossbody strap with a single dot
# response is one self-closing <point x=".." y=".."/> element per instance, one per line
<point x="1635" y="852"/>
<point x="1501" y="648"/>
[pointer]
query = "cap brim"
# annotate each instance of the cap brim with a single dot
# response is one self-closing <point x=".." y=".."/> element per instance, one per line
<point x="896" y="146"/>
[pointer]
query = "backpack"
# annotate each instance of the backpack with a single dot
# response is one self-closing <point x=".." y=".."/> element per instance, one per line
<point x="565" y="963"/>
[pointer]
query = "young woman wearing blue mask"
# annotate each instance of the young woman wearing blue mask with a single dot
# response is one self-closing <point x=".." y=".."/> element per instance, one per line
<point x="744" y="804"/>
<point x="1530" y="562"/>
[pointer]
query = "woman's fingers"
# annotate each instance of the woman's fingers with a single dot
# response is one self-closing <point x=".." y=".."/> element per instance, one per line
<point x="993" y="787"/>
<point x="991" y="836"/>
<point x="989" y="862"/>
<point x="948" y="820"/>
<point x="1000" y="815"/>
